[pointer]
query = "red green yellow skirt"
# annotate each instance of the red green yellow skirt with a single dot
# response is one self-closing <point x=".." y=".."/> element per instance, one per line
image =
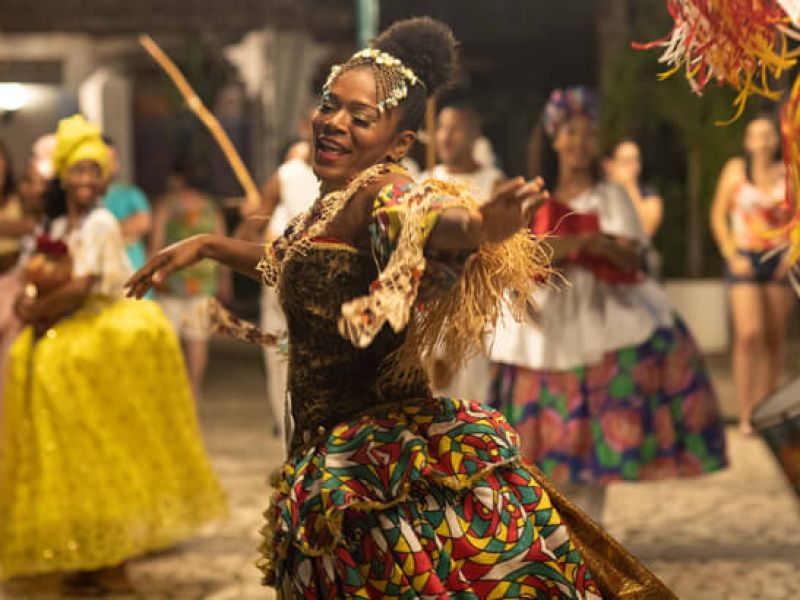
<point x="427" y="500"/>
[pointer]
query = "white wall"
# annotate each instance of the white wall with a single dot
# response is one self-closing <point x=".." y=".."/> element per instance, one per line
<point x="105" y="99"/>
<point x="36" y="118"/>
<point x="703" y="304"/>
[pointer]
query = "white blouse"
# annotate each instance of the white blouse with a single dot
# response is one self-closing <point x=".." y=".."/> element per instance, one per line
<point x="580" y="321"/>
<point x="97" y="248"/>
<point x="480" y="183"/>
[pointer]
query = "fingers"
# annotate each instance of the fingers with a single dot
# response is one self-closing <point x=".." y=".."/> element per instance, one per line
<point x="507" y="190"/>
<point x="533" y="204"/>
<point x="518" y="190"/>
<point x="533" y="192"/>
<point x="147" y="276"/>
<point x="535" y="186"/>
<point x="532" y="195"/>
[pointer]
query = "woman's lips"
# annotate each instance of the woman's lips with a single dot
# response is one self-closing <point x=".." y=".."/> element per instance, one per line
<point x="323" y="156"/>
<point x="329" y="151"/>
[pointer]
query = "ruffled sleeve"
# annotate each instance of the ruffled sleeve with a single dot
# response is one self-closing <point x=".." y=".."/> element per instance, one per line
<point x="446" y="303"/>
<point x="98" y="249"/>
<point x="442" y="269"/>
<point x="403" y="218"/>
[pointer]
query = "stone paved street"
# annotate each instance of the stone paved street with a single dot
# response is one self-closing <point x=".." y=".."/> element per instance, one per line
<point x="730" y="536"/>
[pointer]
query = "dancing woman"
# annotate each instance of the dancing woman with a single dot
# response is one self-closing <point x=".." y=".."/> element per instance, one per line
<point x="607" y="384"/>
<point x="102" y="455"/>
<point x="389" y="492"/>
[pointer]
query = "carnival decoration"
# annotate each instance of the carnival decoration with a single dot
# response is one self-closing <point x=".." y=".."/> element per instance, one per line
<point x="790" y="134"/>
<point x="740" y="43"/>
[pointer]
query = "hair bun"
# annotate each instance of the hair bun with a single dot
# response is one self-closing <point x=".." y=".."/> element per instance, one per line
<point x="426" y="46"/>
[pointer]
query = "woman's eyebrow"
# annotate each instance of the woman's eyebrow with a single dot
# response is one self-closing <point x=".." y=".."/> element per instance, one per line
<point x="352" y="104"/>
<point x="363" y="105"/>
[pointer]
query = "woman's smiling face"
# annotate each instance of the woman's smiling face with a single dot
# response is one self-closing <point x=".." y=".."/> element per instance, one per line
<point x="576" y="143"/>
<point x="350" y="133"/>
<point x="83" y="183"/>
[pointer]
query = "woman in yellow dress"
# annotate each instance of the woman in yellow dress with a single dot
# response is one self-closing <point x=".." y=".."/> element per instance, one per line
<point x="102" y="455"/>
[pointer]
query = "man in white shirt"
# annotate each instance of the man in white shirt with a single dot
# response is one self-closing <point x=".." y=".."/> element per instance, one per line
<point x="290" y="191"/>
<point x="458" y="129"/>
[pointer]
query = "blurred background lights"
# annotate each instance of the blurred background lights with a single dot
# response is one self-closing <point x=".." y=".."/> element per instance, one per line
<point x="13" y="96"/>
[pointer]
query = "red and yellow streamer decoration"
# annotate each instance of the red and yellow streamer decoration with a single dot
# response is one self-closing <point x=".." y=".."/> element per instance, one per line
<point x="740" y="43"/>
<point x="790" y="132"/>
<point x="743" y="44"/>
<point x="252" y="197"/>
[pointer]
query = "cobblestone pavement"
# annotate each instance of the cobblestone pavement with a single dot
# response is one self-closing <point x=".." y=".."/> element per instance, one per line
<point x="729" y="536"/>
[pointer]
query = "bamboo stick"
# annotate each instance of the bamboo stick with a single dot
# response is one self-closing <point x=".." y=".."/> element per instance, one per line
<point x="430" y="129"/>
<point x="252" y="196"/>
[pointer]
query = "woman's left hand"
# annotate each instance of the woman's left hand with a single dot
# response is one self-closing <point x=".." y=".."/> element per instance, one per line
<point x="510" y="208"/>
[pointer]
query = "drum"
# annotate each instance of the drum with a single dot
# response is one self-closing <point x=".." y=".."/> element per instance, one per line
<point x="777" y="419"/>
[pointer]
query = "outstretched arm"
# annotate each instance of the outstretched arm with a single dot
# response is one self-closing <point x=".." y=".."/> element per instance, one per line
<point x="239" y="255"/>
<point x="135" y="227"/>
<point x="507" y="211"/>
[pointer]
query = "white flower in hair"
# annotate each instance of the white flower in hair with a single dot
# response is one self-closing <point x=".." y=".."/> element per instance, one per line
<point x="399" y="84"/>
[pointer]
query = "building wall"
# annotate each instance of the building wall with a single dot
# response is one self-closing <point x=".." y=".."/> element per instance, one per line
<point x="37" y="118"/>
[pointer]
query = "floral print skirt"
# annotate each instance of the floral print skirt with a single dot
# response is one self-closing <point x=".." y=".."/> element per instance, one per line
<point x="643" y="413"/>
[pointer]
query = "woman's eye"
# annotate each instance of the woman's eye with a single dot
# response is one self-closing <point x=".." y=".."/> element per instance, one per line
<point x="362" y="121"/>
<point x="325" y="107"/>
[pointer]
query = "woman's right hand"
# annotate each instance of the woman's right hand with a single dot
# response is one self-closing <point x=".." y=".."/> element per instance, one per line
<point x="740" y="265"/>
<point x="165" y="262"/>
<point x="624" y="256"/>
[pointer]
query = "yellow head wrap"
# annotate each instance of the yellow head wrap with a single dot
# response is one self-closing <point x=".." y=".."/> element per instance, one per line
<point x="77" y="140"/>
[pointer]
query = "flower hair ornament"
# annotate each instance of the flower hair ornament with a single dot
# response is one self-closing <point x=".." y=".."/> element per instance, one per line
<point x="567" y="103"/>
<point x="393" y="78"/>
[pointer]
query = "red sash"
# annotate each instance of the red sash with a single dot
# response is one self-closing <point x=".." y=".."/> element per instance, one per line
<point x="557" y="219"/>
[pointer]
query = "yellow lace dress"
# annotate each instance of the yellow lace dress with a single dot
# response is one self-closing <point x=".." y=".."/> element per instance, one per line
<point x="102" y="456"/>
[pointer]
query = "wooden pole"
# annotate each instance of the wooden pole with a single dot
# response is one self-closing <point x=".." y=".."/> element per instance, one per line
<point x="367" y="20"/>
<point x="252" y="197"/>
<point x="430" y="132"/>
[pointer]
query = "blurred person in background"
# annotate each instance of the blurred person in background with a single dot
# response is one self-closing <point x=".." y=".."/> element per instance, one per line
<point x="20" y="215"/>
<point x="749" y="206"/>
<point x="623" y="166"/>
<point x="605" y="382"/>
<point x="102" y="455"/>
<point x="290" y="191"/>
<point x="10" y="213"/>
<point x="183" y="212"/>
<point x="13" y="225"/>
<point x="458" y="129"/>
<point x="130" y="207"/>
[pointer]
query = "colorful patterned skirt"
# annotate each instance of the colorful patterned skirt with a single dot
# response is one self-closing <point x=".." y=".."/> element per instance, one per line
<point x="102" y="454"/>
<point x="425" y="500"/>
<point x="642" y="413"/>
